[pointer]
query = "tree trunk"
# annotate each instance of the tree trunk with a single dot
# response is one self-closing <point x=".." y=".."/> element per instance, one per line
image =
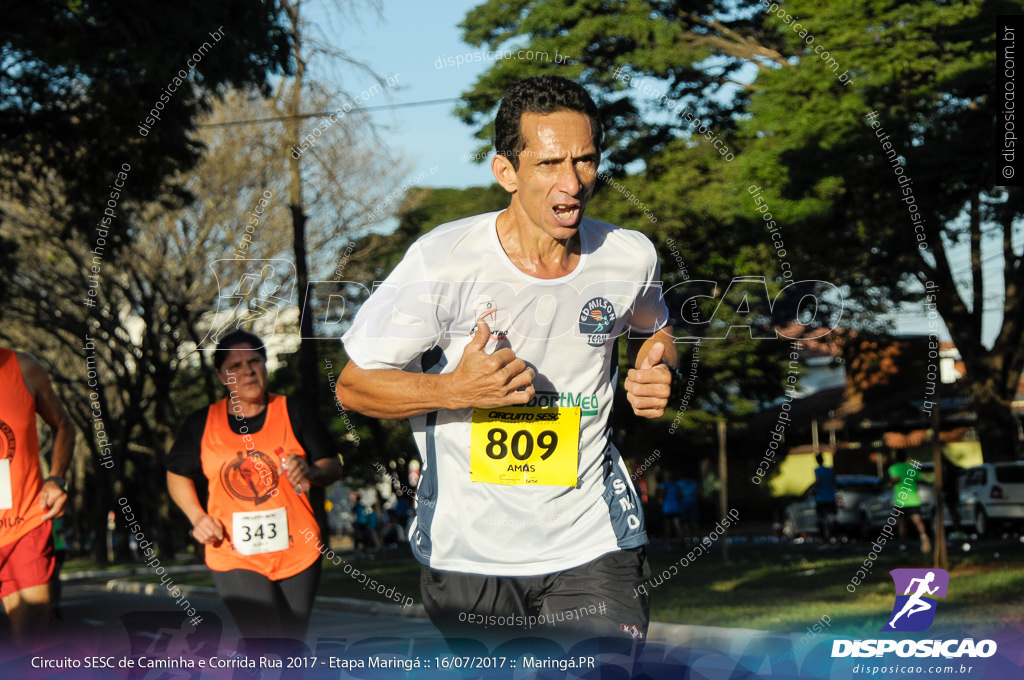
<point x="992" y="373"/>
<point x="997" y="427"/>
<point x="997" y="431"/>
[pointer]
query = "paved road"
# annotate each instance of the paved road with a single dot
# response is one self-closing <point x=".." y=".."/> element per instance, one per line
<point x="135" y="626"/>
<point x="92" y="612"/>
<point x="99" y="622"/>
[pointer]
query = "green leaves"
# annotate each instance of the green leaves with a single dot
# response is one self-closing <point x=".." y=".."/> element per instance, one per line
<point x="79" y="78"/>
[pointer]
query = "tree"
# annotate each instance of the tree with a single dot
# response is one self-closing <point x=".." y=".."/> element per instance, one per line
<point x="602" y="44"/>
<point x="111" y="329"/>
<point x="120" y="336"/>
<point x="294" y="95"/>
<point x="888" y="170"/>
<point x="89" y="86"/>
<point x="798" y="129"/>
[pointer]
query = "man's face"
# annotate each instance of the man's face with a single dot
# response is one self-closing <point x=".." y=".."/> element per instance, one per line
<point x="557" y="171"/>
<point x="244" y="371"/>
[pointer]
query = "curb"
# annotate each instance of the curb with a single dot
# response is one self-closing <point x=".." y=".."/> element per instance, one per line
<point x="136" y="588"/>
<point x="130" y="571"/>
<point x="349" y="604"/>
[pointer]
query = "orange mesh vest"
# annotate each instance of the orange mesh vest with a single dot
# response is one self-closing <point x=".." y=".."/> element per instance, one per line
<point x="19" y="447"/>
<point x="248" y="493"/>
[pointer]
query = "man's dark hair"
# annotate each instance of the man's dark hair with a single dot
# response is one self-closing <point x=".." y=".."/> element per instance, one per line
<point x="233" y="338"/>
<point x="543" y="95"/>
<point x="818" y="457"/>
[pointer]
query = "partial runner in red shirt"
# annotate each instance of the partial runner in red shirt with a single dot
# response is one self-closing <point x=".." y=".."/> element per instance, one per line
<point x="28" y="501"/>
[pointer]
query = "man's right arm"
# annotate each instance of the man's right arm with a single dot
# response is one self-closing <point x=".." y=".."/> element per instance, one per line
<point x="52" y="410"/>
<point x="480" y="379"/>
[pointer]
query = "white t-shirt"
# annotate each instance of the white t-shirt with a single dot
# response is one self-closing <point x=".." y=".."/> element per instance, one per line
<point x="422" y="317"/>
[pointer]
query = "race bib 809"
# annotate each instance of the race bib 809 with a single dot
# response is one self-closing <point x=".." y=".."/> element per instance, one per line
<point x="525" y="445"/>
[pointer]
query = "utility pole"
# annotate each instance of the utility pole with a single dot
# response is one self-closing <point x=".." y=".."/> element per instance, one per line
<point x="941" y="559"/>
<point x="723" y="489"/>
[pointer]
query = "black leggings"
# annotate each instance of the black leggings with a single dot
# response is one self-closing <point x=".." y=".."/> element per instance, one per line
<point x="265" y="608"/>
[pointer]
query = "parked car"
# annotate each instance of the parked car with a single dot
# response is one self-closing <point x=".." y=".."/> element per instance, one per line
<point x="992" y="494"/>
<point x="876" y="510"/>
<point x="851" y="492"/>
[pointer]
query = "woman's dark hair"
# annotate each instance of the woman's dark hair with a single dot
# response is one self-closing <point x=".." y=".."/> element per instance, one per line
<point x="543" y="95"/>
<point x="233" y="338"/>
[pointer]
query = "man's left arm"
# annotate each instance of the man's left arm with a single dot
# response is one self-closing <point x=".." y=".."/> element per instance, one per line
<point x="50" y="407"/>
<point x="649" y="382"/>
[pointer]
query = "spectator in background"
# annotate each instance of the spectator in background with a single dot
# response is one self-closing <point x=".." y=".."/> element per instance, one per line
<point x="709" y="488"/>
<point x="401" y="509"/>
<point x="360" y="531"/>
<point x="671" y="507"/>
<point x="825" y="498"/>
<point x="373" y="524"/>
<point x="364" y="527"/>
<point x="688" y="506"/>
<point x="951" y="490"/>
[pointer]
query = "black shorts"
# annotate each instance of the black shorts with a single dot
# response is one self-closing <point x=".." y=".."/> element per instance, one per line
<point x="594" y="600"/>
<point x="263" y="608"/>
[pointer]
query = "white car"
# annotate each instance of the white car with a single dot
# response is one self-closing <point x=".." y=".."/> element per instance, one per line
<point x="876" y="511"/>
<point x="992" y="493"/>
<point x="801" y="516"/>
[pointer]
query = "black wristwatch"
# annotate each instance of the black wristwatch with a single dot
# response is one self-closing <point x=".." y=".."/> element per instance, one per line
<point x="59" y="481"/>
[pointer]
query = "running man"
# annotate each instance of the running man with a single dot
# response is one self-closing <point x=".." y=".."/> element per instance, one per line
<point x="915" y="604"/>
<point x="27" y="501"/>
<point x="497" y="336"/>
<point x="903" y="477"/>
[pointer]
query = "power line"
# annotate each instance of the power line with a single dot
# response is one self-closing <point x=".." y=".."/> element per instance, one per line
<point x="430" y="102"/>
<point x="966" y="265"/>
<point x="322" y="114"/>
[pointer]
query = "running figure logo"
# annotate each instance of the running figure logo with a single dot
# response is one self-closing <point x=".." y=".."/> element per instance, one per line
<point x="914" y="610"/>
<point x="250" y="477"/>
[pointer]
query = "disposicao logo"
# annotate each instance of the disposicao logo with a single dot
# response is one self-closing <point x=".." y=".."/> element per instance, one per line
<point x="914" y="611"/>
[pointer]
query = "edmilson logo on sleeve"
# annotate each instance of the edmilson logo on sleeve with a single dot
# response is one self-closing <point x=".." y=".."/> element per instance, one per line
<point x="596" y="321"/>
<point x="914" y="611"/>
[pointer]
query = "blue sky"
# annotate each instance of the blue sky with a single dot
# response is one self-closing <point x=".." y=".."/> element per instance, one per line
<point x="405" y="42"/>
